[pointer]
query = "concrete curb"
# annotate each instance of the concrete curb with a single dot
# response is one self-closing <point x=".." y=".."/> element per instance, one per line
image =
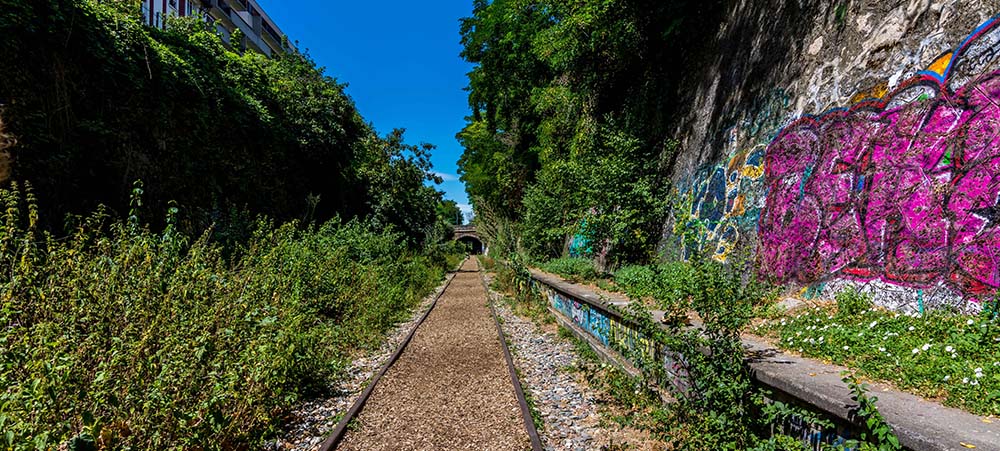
<point x="920" y="424"/>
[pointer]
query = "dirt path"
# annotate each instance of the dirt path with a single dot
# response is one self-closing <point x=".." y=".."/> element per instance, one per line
<point x="451" y="388"/>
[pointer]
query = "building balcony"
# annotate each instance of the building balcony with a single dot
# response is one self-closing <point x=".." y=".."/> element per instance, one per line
<point x="219" y="10"/>
<point x="253" y="39"/>
<point x="238" y="5"/>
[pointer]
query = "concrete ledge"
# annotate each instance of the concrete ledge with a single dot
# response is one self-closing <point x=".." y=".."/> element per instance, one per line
<point x="920" y="424"/>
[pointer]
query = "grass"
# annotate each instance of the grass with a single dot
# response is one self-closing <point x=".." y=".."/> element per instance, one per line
<point x="576" y="269"/>
<point x="119" y="337"/>
<point x="941" y="355"/>
<point x="628" y="401"/>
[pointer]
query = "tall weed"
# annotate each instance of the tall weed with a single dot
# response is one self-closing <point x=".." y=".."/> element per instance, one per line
<point x="119" y="337"/>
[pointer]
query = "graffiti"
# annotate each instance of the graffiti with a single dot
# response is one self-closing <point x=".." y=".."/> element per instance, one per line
<point x="903" y="190"/>
<point x="637" y="349"/>
<point x="617" y="335"/>
<point x="579" y="246"/>
<point x="818" y="438"/>
<point x="677" y="373"/>
<point x="899" y="189"/>
<point x="875" y="92"/>
<point x="976" y="55"/>
<point x="728" y="198"/>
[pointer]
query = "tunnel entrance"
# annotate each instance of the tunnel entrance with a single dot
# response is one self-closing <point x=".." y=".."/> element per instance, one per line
<point x="473" y="244"/>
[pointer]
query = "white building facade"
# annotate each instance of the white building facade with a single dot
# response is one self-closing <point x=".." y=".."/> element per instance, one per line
<point x="259" y="32"/>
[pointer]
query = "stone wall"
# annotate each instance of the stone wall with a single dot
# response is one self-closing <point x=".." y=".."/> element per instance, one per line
<point x="851" y="143"/>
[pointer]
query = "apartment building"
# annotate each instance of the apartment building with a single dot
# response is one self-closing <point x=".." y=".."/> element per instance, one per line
<point x="259" y="32"/>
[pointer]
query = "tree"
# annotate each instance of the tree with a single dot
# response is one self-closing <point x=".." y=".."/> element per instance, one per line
<point x="448" y="212"/>
<point x="571" y="104"/>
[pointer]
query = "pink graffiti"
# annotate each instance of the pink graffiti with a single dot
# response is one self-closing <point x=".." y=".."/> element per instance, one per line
<point x="908" y="194"/>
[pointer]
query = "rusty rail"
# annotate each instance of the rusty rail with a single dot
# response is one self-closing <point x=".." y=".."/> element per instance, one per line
<point x="340" y="430"/>
<point x="529" y="423"/>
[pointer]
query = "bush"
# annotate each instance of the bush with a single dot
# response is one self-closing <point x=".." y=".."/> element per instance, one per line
<point x="637" y="281"/>
<point x="120" y="337"/>
<point x="851" y="302"/>
<point x="576" y="268"/>
<point x="96" y="100"/>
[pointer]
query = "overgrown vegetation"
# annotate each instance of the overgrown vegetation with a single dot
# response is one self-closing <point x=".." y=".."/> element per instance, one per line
<point x="513" y="280"/>
<point x="97" y="100"/>
<point x="566" y="157"/>
<point x="119" y="337"/>
<point x="631" y="401"/>
<point x="568" y="140"/>
<point x="574" y="268"/>
<point x="938" y="354"/>
<point x="294" y="235"/>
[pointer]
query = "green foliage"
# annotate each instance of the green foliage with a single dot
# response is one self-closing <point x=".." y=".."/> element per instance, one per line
<point x="851" y="302"/>
<point x="97" y="100"/>
<point x="514" y="280"/>
<point x="877" y="436"/>
<point x="840" y="14"/>
<point x="569" y="128"/>
<point x="669" y="284"/>
<point x="574" y="268"/>
<point x="717" y="406"/>
<point x="633" y="402"/>
<point x="940" y="354"/>
<point x="638" y="281"/>
<point x="448" y="212"/>
<point x="118" y="337"/>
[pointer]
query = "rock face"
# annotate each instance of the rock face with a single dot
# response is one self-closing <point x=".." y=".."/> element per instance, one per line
<point x="851" y="142"/>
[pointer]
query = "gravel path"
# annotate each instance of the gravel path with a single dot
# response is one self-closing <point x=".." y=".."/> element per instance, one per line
<point x="572" y="411"/>
<point x="313" y="421"/>
<point x="450" y="389"/>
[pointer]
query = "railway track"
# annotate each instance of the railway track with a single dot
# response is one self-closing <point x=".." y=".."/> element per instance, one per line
<point x="445" y="386"/>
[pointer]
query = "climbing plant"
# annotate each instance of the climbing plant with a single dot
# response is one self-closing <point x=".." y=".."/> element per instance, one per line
<point x="97" y="100"/>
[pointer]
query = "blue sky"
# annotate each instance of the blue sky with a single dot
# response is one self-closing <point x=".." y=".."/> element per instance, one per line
<point x="400" y="60"/>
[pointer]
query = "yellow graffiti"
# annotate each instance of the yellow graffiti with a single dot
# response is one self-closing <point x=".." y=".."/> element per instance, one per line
<point x="941" y="64"/>
<point x="875" y="92"/>
<point x="752" y="172"/>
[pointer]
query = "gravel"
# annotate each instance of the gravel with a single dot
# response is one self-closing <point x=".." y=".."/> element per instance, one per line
<point x="450" y="389"/>
<point x="571" y="410"/>
<point x="312" y="421"/>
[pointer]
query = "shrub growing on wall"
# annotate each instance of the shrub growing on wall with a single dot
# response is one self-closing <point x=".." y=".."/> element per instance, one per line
<point x="98" y="100"/>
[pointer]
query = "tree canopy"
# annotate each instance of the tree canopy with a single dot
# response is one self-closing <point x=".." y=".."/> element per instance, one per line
<point x="97" y="100"/>
<point x="569" y="133"/>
